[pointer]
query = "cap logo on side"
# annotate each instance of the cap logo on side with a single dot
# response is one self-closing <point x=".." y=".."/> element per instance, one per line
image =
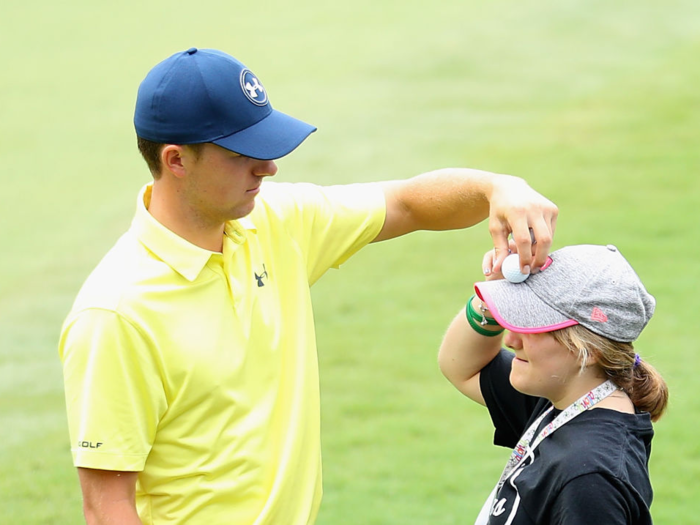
<point x="598" y="315"/>
<point x="252" y="88"/>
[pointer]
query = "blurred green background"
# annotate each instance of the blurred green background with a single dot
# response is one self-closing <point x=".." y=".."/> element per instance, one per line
<point x="595" y="103"/>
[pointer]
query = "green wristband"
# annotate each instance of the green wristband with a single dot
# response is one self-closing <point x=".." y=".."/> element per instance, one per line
<point x="481" y="319"/>
<point x="475" y="321"/>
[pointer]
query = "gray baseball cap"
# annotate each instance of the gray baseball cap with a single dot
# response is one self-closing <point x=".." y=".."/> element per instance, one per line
<point x="590" y="285"/>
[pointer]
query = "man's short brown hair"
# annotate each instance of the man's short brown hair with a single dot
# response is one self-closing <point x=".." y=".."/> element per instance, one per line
<point x="150" y="151"/>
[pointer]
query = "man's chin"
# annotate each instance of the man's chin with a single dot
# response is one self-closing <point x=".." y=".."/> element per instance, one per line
<point x="243" y="211"/>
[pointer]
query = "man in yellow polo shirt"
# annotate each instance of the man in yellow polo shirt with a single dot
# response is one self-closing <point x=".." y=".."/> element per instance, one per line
<point x="189" y="355"/>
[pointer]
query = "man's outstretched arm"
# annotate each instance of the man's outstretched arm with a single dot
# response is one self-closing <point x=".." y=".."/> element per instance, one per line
<point x="456" y="198"/>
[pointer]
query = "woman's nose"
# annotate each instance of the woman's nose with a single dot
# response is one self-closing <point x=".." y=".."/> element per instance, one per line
<point x="513" y="340"/>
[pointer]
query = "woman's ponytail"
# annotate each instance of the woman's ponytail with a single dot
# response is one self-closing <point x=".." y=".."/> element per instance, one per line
<point x="641" y="381"/>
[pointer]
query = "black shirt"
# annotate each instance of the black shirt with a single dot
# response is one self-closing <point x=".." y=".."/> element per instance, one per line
<point x="592" y="470"/>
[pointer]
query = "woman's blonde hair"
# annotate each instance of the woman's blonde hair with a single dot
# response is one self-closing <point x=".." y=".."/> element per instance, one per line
<point x="642" y="383"/>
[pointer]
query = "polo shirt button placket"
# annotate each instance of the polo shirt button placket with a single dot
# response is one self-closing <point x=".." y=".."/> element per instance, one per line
<point x="233" y="239"/>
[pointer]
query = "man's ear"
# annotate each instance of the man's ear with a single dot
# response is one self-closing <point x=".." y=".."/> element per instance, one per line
<point x="171" y="158"/>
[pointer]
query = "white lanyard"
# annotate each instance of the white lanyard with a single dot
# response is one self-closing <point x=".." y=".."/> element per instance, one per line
<point x="524" y="445"/>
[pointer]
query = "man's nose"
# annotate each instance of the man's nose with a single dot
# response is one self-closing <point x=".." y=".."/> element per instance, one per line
<point x="265" y="168"/>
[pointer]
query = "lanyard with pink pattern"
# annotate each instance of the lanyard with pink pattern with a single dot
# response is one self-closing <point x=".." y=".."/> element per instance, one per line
<point x="527" y="446"/>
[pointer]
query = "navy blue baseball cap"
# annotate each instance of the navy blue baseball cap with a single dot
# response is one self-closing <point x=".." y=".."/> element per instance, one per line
<point x="205" y="95"/>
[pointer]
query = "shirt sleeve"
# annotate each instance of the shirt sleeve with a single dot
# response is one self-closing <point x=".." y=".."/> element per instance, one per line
<point x="329" y="223"/>
<point x="114" y="394"/>
<point x="596" y="498"/>
<point x="509" y="409"/>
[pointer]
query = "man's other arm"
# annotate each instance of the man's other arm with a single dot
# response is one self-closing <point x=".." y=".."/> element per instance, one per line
<point x="109" y="497"/>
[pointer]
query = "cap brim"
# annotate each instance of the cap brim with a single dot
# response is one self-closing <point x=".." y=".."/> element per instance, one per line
<point x="273" y="137"/>
<point x="517" y="308"/>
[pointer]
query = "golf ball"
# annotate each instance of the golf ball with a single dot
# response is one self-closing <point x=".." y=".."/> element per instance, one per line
<point x="511" y="269"/>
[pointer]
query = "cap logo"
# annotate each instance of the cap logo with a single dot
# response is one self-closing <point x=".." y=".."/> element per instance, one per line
<point x="598" y="315"/>
<point x="252" y="88"/>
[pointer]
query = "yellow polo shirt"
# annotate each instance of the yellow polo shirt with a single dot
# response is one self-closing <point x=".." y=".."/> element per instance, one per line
<point x="199" y="370"/>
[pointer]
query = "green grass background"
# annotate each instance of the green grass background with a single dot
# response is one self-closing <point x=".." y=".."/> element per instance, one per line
<point x="595" y="103"/>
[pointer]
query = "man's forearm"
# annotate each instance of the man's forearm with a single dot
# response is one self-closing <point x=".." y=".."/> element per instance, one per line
<point x="111" y="513"/>
<point x="456" y="198"/>
<point x="109" y="497"/>
<point x="445" y="199"/>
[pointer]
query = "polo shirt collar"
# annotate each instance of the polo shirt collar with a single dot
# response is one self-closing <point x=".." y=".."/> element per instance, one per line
<point x="181" y="255"/>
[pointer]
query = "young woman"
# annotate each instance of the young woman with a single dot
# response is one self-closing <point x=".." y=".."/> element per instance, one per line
<point x="570" y="396"/>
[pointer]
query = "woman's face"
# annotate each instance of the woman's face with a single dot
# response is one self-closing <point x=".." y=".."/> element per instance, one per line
<point x="542" y="367"/>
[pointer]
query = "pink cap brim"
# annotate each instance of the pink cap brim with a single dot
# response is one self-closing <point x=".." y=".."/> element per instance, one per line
<point x="517" y="308"/>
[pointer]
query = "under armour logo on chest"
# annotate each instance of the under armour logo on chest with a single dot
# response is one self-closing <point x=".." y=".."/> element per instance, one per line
<point x="260" y="277"/>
